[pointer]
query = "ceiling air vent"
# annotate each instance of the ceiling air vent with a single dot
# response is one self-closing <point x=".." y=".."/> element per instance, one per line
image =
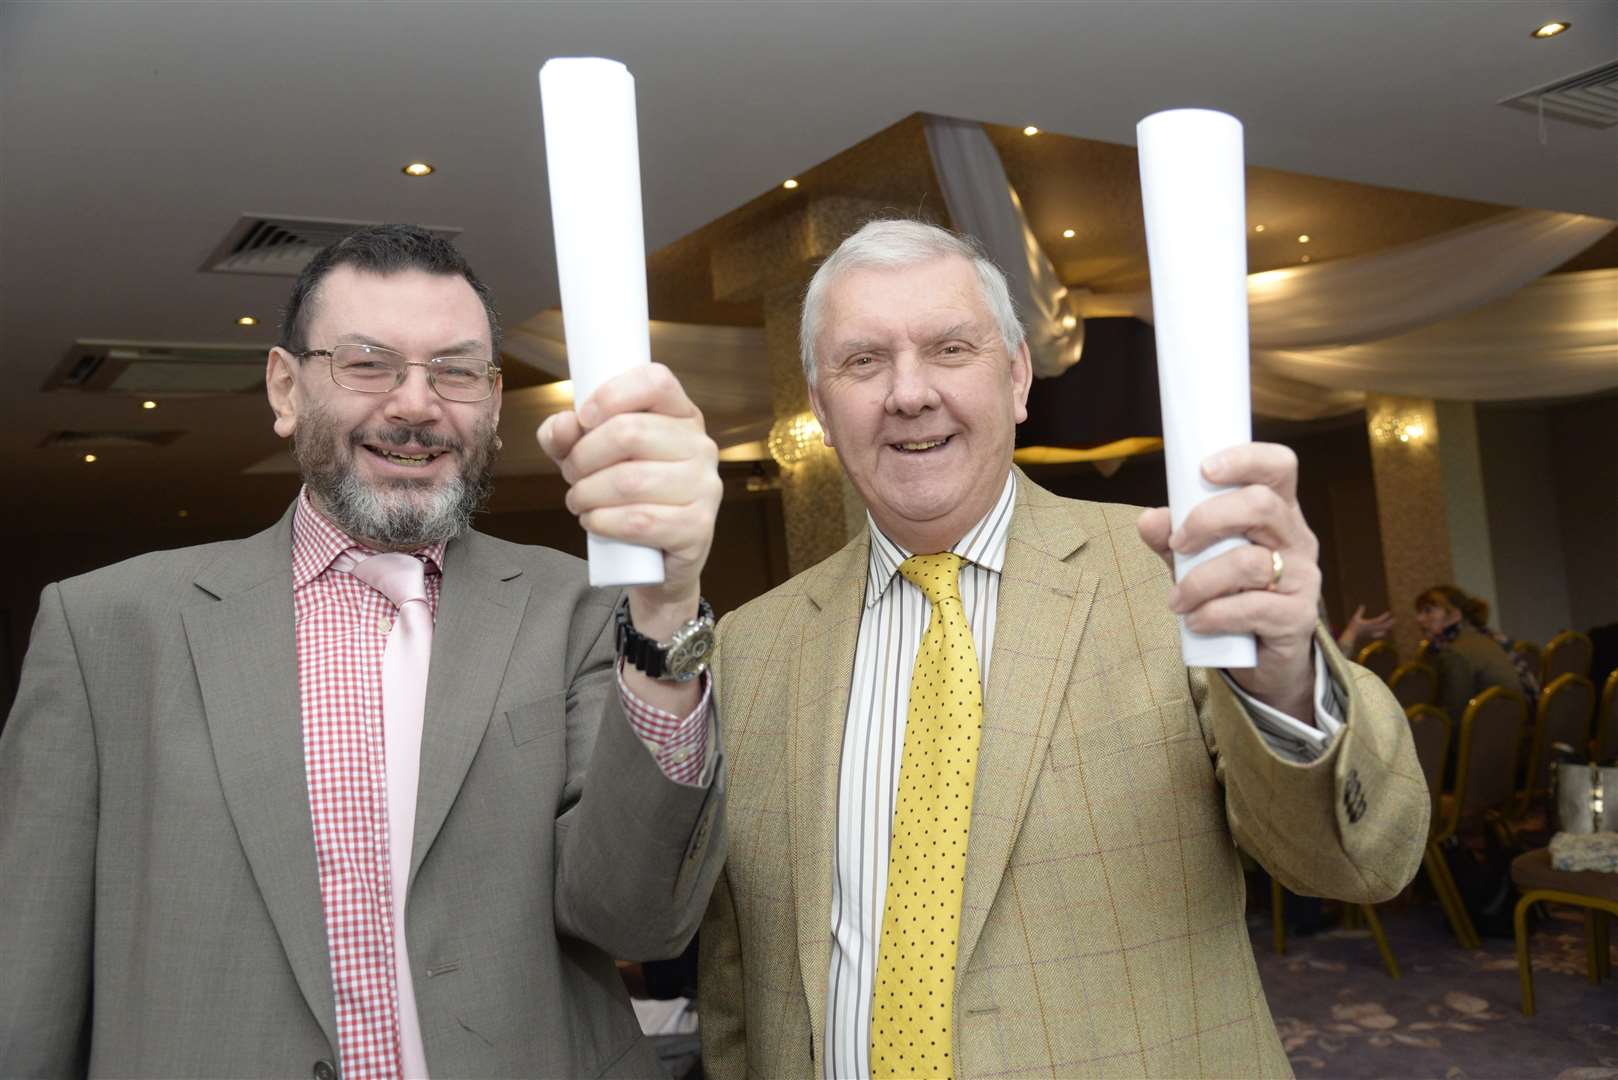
<point x="159" y="367"/>
<point x="1589" y="98"/>
<point x="108" y="440"/>
<point x="264" y="244"/>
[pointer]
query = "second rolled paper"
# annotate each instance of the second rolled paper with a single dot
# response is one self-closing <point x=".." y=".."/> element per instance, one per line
<point x="1194" y="195"/>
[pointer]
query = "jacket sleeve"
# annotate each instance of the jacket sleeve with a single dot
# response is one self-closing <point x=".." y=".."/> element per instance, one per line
<point x="1351" y="824"/>
<point x="636" y="852"/>
<point x="48" y="816"/>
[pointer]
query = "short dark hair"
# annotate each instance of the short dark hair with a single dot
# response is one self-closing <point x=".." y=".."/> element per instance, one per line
<point x="380" y="249"/>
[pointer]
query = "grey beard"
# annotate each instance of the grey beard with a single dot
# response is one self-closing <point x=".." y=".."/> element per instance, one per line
<point x="401" y="515"/>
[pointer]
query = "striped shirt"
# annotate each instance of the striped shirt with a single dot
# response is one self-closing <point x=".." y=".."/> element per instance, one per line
<point x="891" y="627"/>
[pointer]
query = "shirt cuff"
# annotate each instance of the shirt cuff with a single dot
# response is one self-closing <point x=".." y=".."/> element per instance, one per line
<point x="1290" y="738"/>
<point x="679" y="745"/>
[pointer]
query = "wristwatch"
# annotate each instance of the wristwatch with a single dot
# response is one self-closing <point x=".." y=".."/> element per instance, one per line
<point x="682" y="658"/>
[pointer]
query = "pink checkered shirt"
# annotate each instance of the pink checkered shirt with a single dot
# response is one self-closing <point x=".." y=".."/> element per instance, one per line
<point x="342" y="627"/>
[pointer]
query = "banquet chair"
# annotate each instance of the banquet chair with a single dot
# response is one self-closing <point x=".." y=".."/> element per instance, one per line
<point x="1530" y="649"/>
<point x="1605" y="743"/>
<point x="1595" y="891"/>
<point x="1379" y="657"/>
<point x="1569" y="651"/>
<point x="1430" y="730"/>
<point x="1414" y="683"/>
<point x="1563" y="716"/>
<point x="1485" y="782"/>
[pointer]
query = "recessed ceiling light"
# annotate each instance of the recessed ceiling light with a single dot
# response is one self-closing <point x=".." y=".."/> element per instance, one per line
<point x="1551" y="29"/>
<point x="148" y="404"/>
<point x="1258" y="228"/>
<point x="1068" y="234"/>
<point x="88" y="458"/>
<point x="246" y="320"/>
<point x="1304" y="238"/>
<point x="417" y="168"/>
<point x="1030" y="130"/>
<point x="789" y="184"/>
<point x="185" y="513"/>
<point x="1304" y="259"/>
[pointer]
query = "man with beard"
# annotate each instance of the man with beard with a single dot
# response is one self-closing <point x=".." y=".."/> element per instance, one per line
<point x="371" y="791"/>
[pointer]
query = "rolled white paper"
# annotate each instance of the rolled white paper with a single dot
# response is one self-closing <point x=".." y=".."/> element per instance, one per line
<point x="593" y="162"/>
<point x="1193" y="192"/>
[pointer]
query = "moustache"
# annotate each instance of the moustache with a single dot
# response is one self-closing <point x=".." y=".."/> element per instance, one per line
<point x="405" y="436"/>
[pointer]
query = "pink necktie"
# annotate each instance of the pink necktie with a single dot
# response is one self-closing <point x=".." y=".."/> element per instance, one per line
<point x="404" y="700"/>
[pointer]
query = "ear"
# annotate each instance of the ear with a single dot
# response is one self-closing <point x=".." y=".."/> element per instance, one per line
<point x="499" y="385"/>
<point x="1022" y="378"/>
<point x="281" y="383"/>
<point x="819" y="410"/>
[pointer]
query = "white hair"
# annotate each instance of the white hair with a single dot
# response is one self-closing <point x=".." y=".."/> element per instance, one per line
<point x="895" y="243"/>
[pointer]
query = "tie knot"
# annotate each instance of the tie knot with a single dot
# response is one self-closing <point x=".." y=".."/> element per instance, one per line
<point x="399" y="577"/>
<point x="937" y="576"/>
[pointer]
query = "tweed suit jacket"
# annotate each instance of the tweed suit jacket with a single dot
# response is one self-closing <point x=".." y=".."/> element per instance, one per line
<point x="1102" y="929"/>
<point x="160" y="913"/>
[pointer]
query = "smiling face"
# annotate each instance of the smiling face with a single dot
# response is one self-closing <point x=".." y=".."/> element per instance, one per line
<point x="1434" y="619"/>
<point x="406" y="468"/>
<point x="915" y="391"/>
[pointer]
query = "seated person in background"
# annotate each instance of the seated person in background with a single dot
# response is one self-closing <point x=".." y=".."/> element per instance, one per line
<point x="1362" y="630"/>
<point x="1468" y="656"/>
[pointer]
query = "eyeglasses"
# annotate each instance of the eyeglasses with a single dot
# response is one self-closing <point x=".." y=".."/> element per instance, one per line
<point x="371" y="369"/>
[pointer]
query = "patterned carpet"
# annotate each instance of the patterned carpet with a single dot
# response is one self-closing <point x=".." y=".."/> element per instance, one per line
<point x="1454" y="1014"/>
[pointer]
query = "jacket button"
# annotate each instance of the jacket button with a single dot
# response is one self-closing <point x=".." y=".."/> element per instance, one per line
<point x="324" y="1070"/>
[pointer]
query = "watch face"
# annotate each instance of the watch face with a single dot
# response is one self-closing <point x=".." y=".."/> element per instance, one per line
<point x="688" y="652"/>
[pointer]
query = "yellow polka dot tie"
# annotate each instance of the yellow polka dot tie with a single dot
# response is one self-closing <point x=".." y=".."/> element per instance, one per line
<point x="914" y="997"/>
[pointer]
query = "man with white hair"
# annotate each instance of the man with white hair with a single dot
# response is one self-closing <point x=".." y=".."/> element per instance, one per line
<point x="984" y="819"/>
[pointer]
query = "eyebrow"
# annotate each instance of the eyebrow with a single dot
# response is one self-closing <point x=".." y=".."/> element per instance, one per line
<point x="459" y="348"/>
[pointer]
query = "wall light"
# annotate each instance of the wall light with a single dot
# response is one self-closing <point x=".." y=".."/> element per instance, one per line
<point x="1030" y="130"/>
<point x="1403" y="429"/>
<point x="789" y="184"/>
<point x="89" y="458"/>
<point x="1304" y="259"/>
<point x="1303" y="238"/>
<point x="246" y="320"/>
<point x="794" y="438"/>
<point x="1258" y="228"/>
<point x="1550" y="29"/>
<point x="418" y="168"/>
<point x="148" y="404"/>
<point x="1068" y="234"/>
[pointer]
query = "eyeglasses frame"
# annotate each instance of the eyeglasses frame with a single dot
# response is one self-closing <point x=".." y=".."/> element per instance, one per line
<point x="402" y="372"/>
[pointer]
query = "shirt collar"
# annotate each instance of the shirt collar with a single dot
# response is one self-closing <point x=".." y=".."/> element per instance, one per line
<point x="316" y="544"/>
<point x="983" y="544"/>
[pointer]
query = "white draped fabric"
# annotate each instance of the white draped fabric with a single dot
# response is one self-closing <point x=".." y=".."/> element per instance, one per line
<point x="1370" y="297"/>
<point x="1557" y="336"/>
<point x="983" y="203"/>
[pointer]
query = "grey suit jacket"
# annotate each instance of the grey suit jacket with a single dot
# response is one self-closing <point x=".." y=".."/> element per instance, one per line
<point x="160" y="913"/>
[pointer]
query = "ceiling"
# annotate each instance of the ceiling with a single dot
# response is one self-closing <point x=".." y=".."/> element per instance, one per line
<point x="134" y="135"/>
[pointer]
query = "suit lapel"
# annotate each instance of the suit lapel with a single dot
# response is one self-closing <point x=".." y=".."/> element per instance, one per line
<point x="822" y="670"/>
<point x="1044" y="603"/>
<point x="479" y="611"/>
<point x="243" y="648"/>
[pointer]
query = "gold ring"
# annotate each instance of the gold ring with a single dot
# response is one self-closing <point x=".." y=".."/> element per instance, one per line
<point x="1277" y="565"/>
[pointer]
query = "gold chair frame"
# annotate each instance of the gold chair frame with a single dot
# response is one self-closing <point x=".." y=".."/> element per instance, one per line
<point x="1561" y="641"/>
<point x="1438" y="871"/>
<point x="1539" y="747"/>
<point x="1403" y="670"/>
<point x="1597" y="942"/>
